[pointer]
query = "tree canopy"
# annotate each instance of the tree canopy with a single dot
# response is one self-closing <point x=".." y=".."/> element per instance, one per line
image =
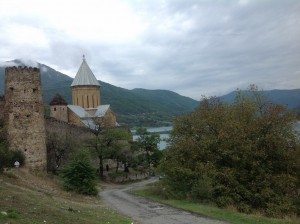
<point x="147" y="144"/>
<point x="244" y="154"/>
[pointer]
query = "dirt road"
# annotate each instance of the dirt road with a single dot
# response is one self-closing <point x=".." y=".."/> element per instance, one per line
<point x="144" y="211"/>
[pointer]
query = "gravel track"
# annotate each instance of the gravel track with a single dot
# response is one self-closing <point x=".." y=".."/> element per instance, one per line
<point x="144" y="211"/>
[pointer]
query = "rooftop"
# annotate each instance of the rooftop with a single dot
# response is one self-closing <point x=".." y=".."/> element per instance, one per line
<point x="85" y="76"/>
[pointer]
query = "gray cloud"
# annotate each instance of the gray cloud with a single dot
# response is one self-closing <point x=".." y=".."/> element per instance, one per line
<point x="192" y="47"/>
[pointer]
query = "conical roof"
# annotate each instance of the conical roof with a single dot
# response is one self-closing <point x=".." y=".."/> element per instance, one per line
<point x="85" y="76"/>
<point x="58" y="100"/>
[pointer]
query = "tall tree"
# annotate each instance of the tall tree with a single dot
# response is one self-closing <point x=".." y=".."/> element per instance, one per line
<point x="148" y="144"/>
<point x="108" y="144"/>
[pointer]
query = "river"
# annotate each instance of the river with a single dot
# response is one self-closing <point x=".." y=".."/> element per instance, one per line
<point x="164" y="135"/>
<point x="162" y="132"/>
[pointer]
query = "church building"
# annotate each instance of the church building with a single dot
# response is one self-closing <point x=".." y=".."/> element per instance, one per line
<point x="86" y="109"/>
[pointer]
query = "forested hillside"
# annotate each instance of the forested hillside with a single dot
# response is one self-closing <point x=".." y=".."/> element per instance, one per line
<point x="138" y="107"/>
<point x="290" y="98"/>
<point x="142" y="107"/>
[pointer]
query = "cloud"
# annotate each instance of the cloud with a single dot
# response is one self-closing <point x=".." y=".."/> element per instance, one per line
<point x="20" y="62"/>
<point x="192" y="47"/>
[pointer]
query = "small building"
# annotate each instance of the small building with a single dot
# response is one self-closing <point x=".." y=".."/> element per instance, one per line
<point x="86" y="109"/>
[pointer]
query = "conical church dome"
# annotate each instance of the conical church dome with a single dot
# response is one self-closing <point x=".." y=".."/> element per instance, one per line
<point x="85" y="88"/>
<point x="85" y="76"/>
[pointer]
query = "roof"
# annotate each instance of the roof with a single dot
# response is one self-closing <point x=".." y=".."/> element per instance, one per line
<point x="86" y="116"/>
<point x="79" y="111"/>
<point x="101" y="110"/>
<point x="85" y="76"/>
<point x="58" y="100"/>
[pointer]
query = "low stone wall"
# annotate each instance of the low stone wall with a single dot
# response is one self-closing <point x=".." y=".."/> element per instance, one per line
<point x="68" y="138"/>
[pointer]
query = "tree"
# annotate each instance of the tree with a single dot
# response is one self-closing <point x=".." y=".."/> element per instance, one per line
<point x="8" y="157"/>
<point x="245" y="154"/>
<point x="58" y="149"/>
<point x="115" y="141"/>
<point x="148" y="144"/>
<point x="79" y="175"/>
<point x="109" y="144"/>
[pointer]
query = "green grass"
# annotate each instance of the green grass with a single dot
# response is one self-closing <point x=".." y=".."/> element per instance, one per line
<point x="228" y="215"/>
<point x="27" y="201"/>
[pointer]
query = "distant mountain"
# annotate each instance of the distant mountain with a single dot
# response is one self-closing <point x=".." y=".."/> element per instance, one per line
<point x="141" y="107"/>
<point x="137" y="107"/>
<point x="290" y="98"/>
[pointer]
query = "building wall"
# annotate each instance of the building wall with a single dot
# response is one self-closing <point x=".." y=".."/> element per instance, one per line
<point x="74" y="119"/>
<point x="86" y="96"/>
<point x="109" y="120"/>
<point x="59" y="112"/>
<point x="25" y="115"/>
<point x="75" y="137"/>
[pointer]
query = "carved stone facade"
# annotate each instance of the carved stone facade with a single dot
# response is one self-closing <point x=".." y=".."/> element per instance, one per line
<point x="24" y="115"/>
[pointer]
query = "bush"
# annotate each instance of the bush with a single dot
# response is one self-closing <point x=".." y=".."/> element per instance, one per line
<point x="79" y="175"/>
<point x="8" y="157"/>
<point x="16" y="155"/>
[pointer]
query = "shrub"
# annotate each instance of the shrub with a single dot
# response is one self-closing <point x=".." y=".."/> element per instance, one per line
<point x="79" y="175"/>
<point x="8" y="157"/>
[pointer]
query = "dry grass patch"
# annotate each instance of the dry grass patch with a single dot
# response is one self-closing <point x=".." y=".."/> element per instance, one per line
<point x="28" y="199"/>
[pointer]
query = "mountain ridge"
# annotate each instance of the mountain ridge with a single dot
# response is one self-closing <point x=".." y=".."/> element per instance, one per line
<point x="138" y="106"/>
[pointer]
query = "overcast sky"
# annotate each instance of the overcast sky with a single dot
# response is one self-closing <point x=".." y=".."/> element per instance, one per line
<point x="194" y="48"/>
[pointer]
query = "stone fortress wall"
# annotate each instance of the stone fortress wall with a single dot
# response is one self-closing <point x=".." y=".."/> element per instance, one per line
<point x="24" y="115"/>
<point x="2" y="104"/>
<point x="64" y="132"/>
<point x="22" y="110"/>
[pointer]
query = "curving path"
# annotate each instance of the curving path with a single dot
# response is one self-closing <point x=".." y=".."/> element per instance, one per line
<point x="148" y="212"/>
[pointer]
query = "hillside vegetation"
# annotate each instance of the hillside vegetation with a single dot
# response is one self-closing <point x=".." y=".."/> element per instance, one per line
<point x="28" y="199"/>
<point x="244" y="155"/>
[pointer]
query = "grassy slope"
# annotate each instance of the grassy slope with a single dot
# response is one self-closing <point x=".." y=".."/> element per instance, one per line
<point x="29" y="199"/>
<point x="228" y="215"/>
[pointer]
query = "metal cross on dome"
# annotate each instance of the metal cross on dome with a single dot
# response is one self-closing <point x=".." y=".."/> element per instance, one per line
<point x="83" y="57"/>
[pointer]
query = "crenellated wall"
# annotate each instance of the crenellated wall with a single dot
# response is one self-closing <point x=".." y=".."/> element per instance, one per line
<point x="24" y="115"/>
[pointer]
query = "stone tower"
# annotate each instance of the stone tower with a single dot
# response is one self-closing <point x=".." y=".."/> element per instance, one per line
<point x="25" y="115"/>
<point x="59" y="108"/>
<point x="85" y="88"/>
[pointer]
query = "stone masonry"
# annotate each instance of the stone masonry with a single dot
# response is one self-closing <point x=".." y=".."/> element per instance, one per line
<point x="24" y="115"/>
